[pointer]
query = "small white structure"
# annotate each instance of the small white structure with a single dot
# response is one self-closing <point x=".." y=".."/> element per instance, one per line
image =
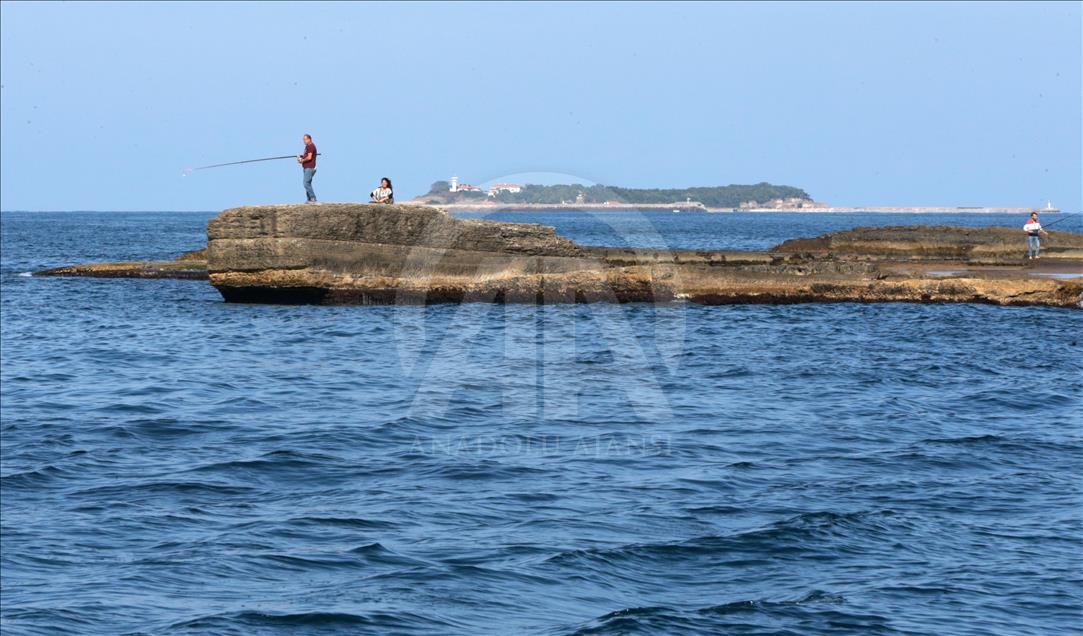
<point x="454" y="184"/>
<point x="497" y="188"/>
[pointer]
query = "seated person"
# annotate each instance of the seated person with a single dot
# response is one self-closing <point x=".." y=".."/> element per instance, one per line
<point x="383" y="194"/>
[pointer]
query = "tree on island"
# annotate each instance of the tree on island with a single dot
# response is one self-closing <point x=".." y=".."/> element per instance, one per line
<point x="730" y="196"/>
<point x="716" y="196"/>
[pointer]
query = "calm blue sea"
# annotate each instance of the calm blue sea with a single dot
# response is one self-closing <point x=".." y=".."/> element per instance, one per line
<point x="171" y="464"/>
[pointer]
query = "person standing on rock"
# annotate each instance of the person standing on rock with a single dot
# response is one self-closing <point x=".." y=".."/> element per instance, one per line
<point x="308" y="162"/>
<point x="1034" y="231"/>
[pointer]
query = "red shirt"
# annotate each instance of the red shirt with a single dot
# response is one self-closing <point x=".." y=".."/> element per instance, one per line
<point x="309" y="149"/>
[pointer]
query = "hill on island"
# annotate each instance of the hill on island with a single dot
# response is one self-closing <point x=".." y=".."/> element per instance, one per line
<point x="710" y="196"/>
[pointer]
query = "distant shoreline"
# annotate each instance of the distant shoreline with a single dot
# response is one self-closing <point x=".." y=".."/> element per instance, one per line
<point x="683" y="207"/>
<point x="571" y="207"/>
<point x="898" y="210"/>
<point x="699" y="207"/>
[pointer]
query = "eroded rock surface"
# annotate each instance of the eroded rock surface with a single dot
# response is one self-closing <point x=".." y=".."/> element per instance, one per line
<point x="923" y="242"/>
<point x="354" y="253"/>
<point x="380" y="254"/>
<point x="190" y="265"/>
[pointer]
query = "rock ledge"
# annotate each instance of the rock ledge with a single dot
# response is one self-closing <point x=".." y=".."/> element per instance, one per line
<point x="413" y="254"/>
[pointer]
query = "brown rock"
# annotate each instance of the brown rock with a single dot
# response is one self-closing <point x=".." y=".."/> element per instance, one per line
<point x="918" y="242"/>
<point x="412" y="254"/>
<point x="367" y="254"/>
<point x="190" y="269"/>
<point x="199" y="255"/>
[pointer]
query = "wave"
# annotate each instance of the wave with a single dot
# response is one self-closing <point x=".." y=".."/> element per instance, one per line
<point x="341" y="522"/>
<point x="279" y="460"/>
<point x="327" y="622"/>
<point x="806" y="534"/>
<point x="965" y="440"/>
<point x="33" y="479"/>
<point x="816" y="611"/>
<point x="128" y="491"/>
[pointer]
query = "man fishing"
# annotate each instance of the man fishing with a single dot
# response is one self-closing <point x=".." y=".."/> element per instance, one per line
<point x="308" y="162"/>
<point x="1034" y="231"/>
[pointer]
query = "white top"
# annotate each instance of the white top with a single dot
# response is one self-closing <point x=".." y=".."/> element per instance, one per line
<point x="1033" y="227"/>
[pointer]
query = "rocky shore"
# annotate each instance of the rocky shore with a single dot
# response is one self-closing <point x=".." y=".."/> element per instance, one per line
<point x="408" y="254"/>
<point x="190" y="265"/>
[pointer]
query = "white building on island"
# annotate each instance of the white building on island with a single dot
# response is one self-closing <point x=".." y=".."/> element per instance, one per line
<point x="497" y="188"/>
<point x="455" y="186"/>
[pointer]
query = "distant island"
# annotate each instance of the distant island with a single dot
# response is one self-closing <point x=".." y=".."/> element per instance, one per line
<point x="730" y="196"/>
<point x="760" y="197"/>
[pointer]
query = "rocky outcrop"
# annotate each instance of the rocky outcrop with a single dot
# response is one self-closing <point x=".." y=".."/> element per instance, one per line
<point x="412" y="254"/>
<point x="923" y="242"/>
<point x="196" y="256"/>
<point x="366" y="254"/>
<point x="369" y="254"/>
<point x="190" y="265"/>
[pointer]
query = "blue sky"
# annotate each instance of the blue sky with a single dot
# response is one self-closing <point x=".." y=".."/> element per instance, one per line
<point x="103" y="105"/>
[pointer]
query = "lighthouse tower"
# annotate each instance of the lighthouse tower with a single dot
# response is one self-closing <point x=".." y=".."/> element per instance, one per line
<point x="455" y="184"/>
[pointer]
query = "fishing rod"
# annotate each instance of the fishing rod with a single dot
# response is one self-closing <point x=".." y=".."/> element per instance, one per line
<point x="1066" y="216"/>
<point x="188" y="171"/>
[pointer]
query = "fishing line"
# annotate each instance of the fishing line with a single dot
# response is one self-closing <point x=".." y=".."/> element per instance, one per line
<point x="1070" y="214"/>
<point x="188" y="171"/>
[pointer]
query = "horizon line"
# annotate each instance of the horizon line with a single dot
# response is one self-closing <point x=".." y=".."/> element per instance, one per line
<point x="1004" y="209"/>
